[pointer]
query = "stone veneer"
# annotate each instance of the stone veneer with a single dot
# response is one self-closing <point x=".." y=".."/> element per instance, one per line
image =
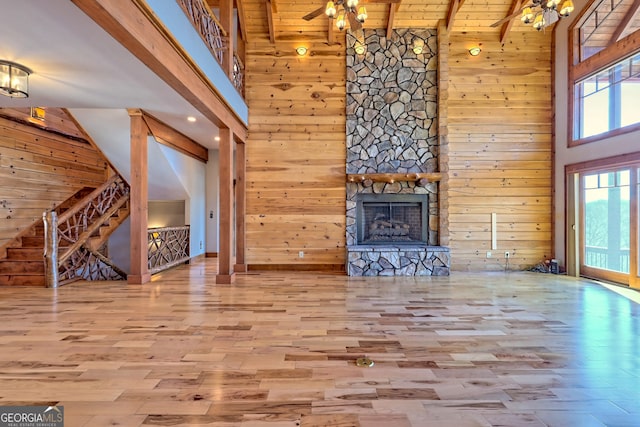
<point x="392" y="128"/>
<point x="391" y="104"/>
<point x="398" y="260"/>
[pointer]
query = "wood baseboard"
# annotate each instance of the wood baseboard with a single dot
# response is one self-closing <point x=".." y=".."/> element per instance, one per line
<point x="333" y="268"/>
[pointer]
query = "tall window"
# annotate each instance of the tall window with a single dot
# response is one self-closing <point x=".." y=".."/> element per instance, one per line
<point x="605" y="72"/>
<point x="609" y="99"/>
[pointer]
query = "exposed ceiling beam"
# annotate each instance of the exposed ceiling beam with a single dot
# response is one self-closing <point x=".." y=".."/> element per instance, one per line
<point x="393" y="8"/>
<point x="454" y="7"/>
<point x="629" y="17"/>
<point x="170" y="137"/>
<point x="241" y="20"/>
<point x="506" y="27"/>
<point x="271" y="11"/>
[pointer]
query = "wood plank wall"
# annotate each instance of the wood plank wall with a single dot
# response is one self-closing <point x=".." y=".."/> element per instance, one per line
<point x="39" y="170"/>
<point x="500" y="152"/>
<point x="296" y="157"/>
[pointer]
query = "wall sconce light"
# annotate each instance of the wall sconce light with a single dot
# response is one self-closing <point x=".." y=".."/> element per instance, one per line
<point x="14" y="79"/>
<point x="475" y="51"/>
<point x="360" y="48"/>
<point x="418" y="46"/>
<point x="38" y="113"/>
<point x="301" y="50"/>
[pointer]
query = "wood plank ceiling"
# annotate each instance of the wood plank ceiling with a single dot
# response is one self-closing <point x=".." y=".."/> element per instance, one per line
<point x="282" y="20"/>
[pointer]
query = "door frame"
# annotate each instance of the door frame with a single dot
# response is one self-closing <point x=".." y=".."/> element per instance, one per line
<point x="575" y="216"/>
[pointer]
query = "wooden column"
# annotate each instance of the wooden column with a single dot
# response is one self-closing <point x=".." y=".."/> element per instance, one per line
<point x="225" y="255"/>
<point x="139" y="200"/>
<point x="241" y="191"/>
<point x="443" y="133"/>
<point x="226" y="20"/>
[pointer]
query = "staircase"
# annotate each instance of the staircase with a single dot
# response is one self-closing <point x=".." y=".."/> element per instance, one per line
<point x="22" y="260"/>
<point x="88" y="227"/>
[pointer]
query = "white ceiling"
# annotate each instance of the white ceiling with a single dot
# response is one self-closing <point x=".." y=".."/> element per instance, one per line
<point x="76" y="64"/>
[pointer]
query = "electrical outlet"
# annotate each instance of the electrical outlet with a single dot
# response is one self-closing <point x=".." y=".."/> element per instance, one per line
<point x="301" y="254"/>
<point x="488" y="254"/>
<point x="506" y="254"/>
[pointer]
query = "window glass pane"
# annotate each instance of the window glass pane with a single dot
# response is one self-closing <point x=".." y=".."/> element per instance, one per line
<point x="623" y="178"/>
<point x="635" y="65"/>
<point x="595" y="32"/>
<point x="607" y="224"/>
<point x="630" y="102"/>
<point x="609" y="99"/>
<point x="595" y="110"/>
<point x="607" y="180"/>
<point x="591" y="181"/>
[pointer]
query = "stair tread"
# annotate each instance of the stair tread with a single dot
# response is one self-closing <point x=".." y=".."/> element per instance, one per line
<point x="32" y="280"/>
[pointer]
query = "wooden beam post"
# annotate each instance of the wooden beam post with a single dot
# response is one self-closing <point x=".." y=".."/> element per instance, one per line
<point x="226" y="20"/>
<point x="443" y="132"/>
<point x="271" y="10"/>
<point x="50" y="220"/>
<point x="226" y="273"/>
<point x="139" y="200"/>
<point x="241" y="191"/>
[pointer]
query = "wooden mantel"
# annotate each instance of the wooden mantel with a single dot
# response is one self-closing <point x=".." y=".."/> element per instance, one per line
<point x="420" y="178"/>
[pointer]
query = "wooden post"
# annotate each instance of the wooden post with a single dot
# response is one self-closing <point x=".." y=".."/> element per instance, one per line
<point x="226" y="274"/>
<point x="241" y="191"/>
<point x="226" y="20"/>
<point x="139" y="200"/>
<point x="50" y="220"/>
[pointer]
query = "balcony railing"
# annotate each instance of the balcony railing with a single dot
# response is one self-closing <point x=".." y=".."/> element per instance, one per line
<point x="167" y="247"/>
<point x="213" y="35"/>
<point x="607" y="259"/>
<point x="238" y="74"/>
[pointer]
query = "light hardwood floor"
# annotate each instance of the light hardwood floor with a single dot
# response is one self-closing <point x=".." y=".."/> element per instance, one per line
<point x="278" y="349"/>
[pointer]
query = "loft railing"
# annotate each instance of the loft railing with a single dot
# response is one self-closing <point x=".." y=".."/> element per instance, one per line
<point x="615" y="260"/>
<point x="167" y="247"/>
<point x="238" y="74"/>
<point x="203" y="20"/>
<point x="213" y="35"/>
<point x="68" y="256"/>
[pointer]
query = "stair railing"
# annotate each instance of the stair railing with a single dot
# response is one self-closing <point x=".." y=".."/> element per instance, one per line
<point x="74" y="227"/>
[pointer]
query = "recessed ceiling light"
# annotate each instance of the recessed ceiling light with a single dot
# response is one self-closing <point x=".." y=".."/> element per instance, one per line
<point x="191" y="119"/>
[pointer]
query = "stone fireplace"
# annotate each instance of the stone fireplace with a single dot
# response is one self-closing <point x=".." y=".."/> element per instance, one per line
<point x="392" y="156"/>
<point x="383" y="219"/>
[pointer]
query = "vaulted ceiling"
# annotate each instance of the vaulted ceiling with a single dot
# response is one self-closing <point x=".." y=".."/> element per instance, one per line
<point x="287" y="23"/>
<point x="282" y="20"/>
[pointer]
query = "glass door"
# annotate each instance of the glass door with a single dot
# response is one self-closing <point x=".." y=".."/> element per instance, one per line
<point x="609" y="225"/>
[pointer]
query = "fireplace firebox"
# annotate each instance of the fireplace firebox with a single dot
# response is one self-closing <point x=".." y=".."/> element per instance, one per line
<point x="383" y="219"/>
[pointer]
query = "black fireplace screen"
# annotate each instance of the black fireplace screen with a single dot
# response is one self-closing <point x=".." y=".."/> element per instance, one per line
<point x="392" y="218"/>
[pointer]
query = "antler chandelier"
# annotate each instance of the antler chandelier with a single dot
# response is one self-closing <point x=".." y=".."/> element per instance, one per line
<point x="349" y="11"/>
<point x="548" y="14"/>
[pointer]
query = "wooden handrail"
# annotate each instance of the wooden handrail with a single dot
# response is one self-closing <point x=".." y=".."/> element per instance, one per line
<point x="85" y="200"/>
<point x="215" y="19"/>
<point x="91" y="229"/>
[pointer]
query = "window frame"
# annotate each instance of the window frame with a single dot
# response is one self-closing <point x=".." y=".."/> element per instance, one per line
<point x="580" y="70"/>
